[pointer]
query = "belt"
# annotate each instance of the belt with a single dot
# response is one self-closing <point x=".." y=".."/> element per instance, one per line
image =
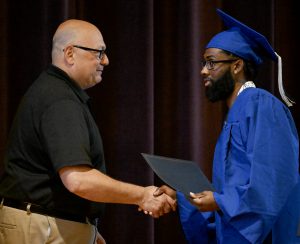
<point x="34" y="208"/>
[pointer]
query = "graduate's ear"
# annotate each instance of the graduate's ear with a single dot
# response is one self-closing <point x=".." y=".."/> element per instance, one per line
<point x="238" y="66"/>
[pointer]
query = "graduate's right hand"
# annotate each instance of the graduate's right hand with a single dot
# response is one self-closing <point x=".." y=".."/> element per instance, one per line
<point x="165" y="189"/>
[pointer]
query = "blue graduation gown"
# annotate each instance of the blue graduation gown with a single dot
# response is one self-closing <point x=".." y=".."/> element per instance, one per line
<point x="255" y="172"/>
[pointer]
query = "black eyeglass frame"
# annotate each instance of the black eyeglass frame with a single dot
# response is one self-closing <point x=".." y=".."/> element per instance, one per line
<point x="101" y="52"/>
<point x="210" y="64"/>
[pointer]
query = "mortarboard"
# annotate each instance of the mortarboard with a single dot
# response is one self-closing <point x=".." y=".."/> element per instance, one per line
<point x="248" y="44"/>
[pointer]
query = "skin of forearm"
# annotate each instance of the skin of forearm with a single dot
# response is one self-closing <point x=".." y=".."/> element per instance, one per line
<point x="95" y="186"/>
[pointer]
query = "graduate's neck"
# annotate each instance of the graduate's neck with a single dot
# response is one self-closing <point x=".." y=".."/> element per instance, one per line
<point x="230" y="100"/>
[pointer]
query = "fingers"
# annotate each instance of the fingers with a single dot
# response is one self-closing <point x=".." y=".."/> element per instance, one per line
<point x="197" y="201"/>
<point x="156" y="206"/>
<point x="159" y="191"/>
<point x="193" y="195"/>
<point x="204" y="201"/>
<point x="150" y="204"/>
<point x="168" y="204"/>
<point x="196" y="198"/>
<point x="100" y="239"/>
<point x="145" y="212"/>
<point x="165" y="189"/>
<point x="162" y="209"/>
<point x="198" y="195"/>
<point x="172" y="203"/>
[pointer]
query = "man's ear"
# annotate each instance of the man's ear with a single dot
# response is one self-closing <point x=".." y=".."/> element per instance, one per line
<point x="238" y="66"/>
<point x="69" y="54"/>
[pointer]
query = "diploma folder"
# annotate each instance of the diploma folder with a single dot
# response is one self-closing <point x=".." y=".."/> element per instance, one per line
<point x="182" y="175"/>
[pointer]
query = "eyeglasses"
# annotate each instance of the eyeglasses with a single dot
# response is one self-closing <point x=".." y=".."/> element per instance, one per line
<point x="210" y="64"/>
<point x="101" y="52"/>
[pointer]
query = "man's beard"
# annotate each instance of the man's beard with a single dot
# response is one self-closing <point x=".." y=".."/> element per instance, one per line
<point x="220" y="89"/>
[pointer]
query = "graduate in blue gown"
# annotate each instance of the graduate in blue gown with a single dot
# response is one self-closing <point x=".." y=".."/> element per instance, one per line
<point x="256" y="159"/>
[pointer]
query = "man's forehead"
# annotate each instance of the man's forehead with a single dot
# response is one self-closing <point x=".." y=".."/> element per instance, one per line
<point x="94" y="40"/>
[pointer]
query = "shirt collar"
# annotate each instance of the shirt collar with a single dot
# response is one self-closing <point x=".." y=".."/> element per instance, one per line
<point x="82" y="95"/>
<point x="246" y="85"/>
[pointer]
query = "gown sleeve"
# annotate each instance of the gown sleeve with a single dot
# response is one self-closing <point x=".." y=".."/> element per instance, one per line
<point x="287" y="226"/>
<point x="198" y="227"/>
<point x="256" y="167"/>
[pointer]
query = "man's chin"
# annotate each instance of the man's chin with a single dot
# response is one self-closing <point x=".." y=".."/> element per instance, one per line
<point x="96" y="81"/>
<point x="92" y="84"/>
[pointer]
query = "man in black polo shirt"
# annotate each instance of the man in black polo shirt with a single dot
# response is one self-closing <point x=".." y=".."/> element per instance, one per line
<point x="54" y="183"/>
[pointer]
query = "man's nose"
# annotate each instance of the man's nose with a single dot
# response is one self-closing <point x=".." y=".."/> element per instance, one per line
<point x="104" y="61"/>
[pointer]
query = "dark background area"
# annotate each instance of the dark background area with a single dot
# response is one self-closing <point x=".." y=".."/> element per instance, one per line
<point x="151" y="98"/>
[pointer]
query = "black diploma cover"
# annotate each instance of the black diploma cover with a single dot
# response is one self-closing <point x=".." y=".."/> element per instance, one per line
<point x="182" y="175"/>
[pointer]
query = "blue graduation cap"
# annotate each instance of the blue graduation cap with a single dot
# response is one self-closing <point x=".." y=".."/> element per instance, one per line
<point x="248" y="44"/>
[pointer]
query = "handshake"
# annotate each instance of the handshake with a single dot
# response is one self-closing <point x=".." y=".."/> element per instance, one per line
<point x="158" y="201"/>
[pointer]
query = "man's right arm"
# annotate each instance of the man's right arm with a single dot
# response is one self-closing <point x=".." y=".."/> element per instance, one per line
<point x="95" y="186"/>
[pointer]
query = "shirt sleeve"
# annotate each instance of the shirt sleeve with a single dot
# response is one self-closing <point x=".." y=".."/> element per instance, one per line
<point x="64" y="131"/>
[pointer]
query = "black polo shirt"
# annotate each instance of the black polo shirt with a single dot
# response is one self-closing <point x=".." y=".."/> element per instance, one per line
<point x="53" y="128"/>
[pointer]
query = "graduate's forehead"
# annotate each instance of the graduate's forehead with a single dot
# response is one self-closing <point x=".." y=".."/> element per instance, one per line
<point x="214" y="53"/>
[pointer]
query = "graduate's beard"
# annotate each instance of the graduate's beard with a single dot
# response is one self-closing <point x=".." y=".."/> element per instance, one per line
<point x="220" y="89"/>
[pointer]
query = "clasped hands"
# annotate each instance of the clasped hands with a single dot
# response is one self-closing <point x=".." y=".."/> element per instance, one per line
<point x="163" y="200"/>
<point x="158" y="204"/>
